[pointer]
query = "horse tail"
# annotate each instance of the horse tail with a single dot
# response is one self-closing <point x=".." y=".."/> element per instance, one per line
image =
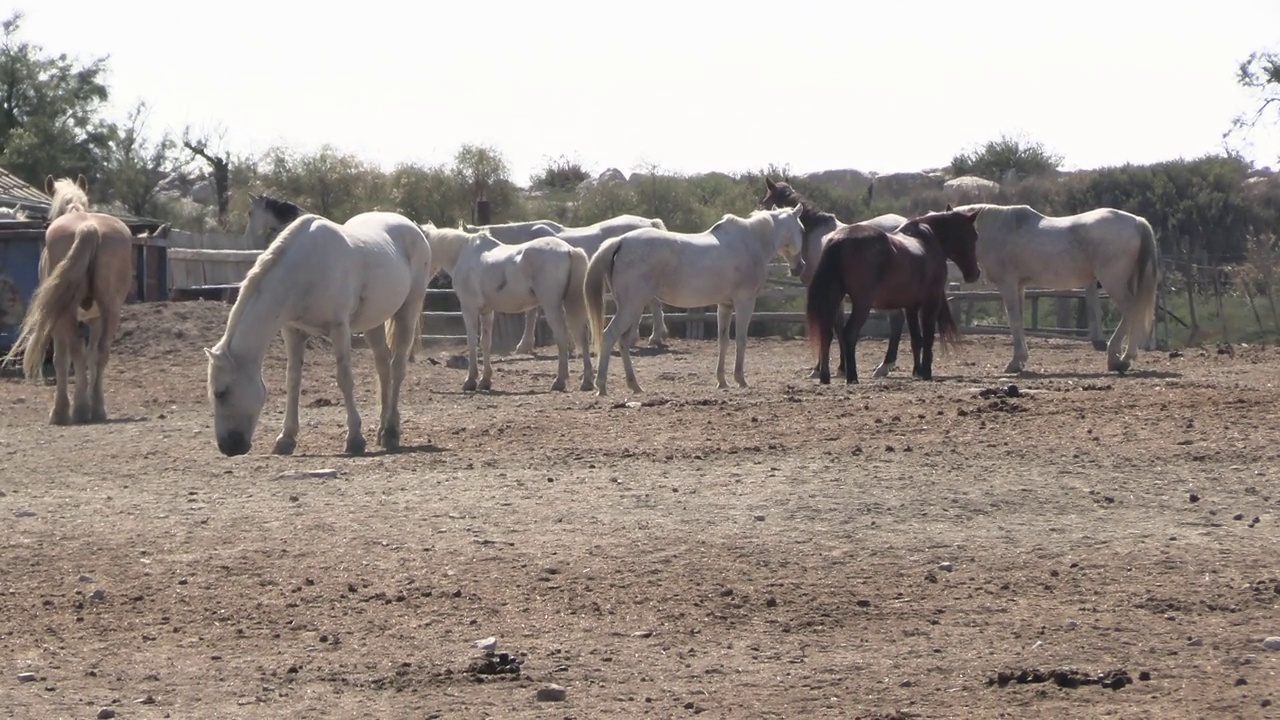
<point x="948" y="332"/>
<point x="1144" y="282"/>
<point x="657" y="222"/>
<point x="598" y="271"/>
<point x="825" y="294"/>
<point x="575" y="298"/>
<point x="59" y="294"/>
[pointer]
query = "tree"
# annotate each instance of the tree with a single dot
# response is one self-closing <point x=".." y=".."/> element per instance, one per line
<point x="50" y="121"/>
<point x="997" y="158"/>
<point x="202" y="146"/>
<point x="1259" y="73"/>
<point x="562" y="174"/>
<point x="135" y="164"/>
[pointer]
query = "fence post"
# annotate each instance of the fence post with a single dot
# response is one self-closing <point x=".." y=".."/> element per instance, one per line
<point x="482" y="215"/>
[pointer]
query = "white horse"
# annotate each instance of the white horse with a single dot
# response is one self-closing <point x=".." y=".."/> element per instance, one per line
<point x="589" y="238"/>
<point x="727" y="266"/>
<point x="1018" y="246"/>
<point x="489" y="276"/>
<point x="516" y="232"/>
<point x="320" y="278"/>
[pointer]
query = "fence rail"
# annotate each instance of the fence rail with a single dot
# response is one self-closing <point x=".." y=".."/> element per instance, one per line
<point x="213" y="266"/>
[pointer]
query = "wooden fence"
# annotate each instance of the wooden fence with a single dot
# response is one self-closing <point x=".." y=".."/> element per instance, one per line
<point x="212" y="266"/>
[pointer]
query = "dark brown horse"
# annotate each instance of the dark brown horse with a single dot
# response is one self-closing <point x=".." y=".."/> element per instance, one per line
<point x="905" y="269"/>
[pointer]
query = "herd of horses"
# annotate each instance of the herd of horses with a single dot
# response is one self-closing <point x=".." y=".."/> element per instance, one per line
<point x="370" y="274"/>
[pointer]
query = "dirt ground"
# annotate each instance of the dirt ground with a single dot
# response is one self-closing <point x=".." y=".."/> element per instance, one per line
<point x="787" y="550"/>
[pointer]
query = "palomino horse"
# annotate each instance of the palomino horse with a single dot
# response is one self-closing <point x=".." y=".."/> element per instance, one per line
<point x="817" y="226"/>
<point x="1018" y="246"/>
<point x="727" y="265"/>
<point x="86" y="268"/>
<point x="320" y="278"/>
<point x="489" y="276"/>
<point x="905" y="269"/>
<point x="587" y="237"/>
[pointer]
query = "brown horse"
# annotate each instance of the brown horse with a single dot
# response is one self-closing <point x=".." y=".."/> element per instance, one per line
<point x="905" y="269"/>
<point x="86" y="267"/>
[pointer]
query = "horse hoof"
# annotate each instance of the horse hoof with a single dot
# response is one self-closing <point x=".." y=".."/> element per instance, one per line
<point x="284" y="446"/>
<point x="1013" y="368"/>
<point x="635" y="387"/>
<point x="62" y="418"/>
<point x="742" y="382"/>
<point x="1119" y="365"/>
<point x="81" y="415"/>
<point x="389" y="439"/>
<point x="98" y="416"/>
<point x="485" y="385"/>
<point x="882" y="371"/>
<point x="469" y="386"/>
<point x="558" y="386"/>
<point x="1100" y="345"/>
<point x="587" y="385"/>
<point x="355" y="445"/>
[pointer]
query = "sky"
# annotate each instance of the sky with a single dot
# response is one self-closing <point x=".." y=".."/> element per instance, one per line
<point x="685" y="86"/>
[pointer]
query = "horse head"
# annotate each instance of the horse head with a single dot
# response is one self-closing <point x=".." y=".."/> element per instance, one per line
<point x="786" y="223"/>
<point x="959" y="233"/>
<point x="238" y="395"/>
<point x="779" y="194"/>
<point x="267" y="217"/>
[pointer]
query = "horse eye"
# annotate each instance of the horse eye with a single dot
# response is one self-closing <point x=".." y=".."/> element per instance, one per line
<point x="221" y="394"/>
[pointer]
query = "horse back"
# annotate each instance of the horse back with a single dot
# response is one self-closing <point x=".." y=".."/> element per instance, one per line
<point x="112" y="268"/>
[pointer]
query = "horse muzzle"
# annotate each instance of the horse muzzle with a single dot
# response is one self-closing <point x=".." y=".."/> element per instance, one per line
<point x="233" y="444"/>
<point x="973" y="278"/>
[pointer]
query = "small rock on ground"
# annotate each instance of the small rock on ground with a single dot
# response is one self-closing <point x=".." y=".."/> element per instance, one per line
<point x="106" y="713"/>
<point x="1271" y="643"/>
<point x="551" y="693"/>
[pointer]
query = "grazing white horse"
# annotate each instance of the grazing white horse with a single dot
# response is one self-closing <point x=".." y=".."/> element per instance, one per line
<point x="727" y="265"/>
<point x="489" y="276"/>
<point x="320" y="278"/>
<point x="1018" y="246"/>
<point x="589" y="238"/>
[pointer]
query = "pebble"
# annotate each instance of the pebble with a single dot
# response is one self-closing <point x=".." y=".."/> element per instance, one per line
<point x="106" y="713"/>
<point x="302" y="474"/>
<point x="759" y="517"/>
<point x="1072" y="625"/>
<point x="946" y="567"/>
<point x="26" y="677"/>
<point x="551" y="693"/>
<point x="1271" y="643"/>
<point x="85" y="578"/>
<point x="24" y="513"/>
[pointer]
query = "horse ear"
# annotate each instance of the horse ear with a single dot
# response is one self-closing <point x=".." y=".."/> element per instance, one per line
<point x="82" y="183"/>
<point x="48" y="185"/>
<point x="209" y="353"/>
<point x="769" y="184"/>
<point x="949" y="208"/>
<point x="162" y="231"/>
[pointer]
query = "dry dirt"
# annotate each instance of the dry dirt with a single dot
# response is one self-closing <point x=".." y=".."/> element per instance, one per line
<point x="788" y="550"/>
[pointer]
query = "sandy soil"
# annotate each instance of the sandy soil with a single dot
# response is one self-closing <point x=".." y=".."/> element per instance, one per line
<point x="788" y="550"/>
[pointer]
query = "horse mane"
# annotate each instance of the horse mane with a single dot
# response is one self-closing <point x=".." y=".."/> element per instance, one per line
<point x="262" y="266"/>
<point x="283" y="211"/>
<point x="1004" y="218"/>
<point x="810" y="214"/>
<point x="67" y="198"/>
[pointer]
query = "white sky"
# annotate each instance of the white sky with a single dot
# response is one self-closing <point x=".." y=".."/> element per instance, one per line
<point x="690" y="86"/>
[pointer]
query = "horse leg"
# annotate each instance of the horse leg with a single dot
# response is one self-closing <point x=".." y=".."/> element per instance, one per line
<point x="1116" y="362"/>
<point x="1093" y="310"/>
<point x="581" y="329"/>
<point x="913" y="326"/>
<point x="928" y="333"/>
<point x="404" y="338"/>
<point x="295" y="344"/>
<point x="849" y="340"/>
<point x="624" y="349"/>
<point x="742" y="309"/>
<point x="837" y="323"/>
<point x="471" y="320"/>
<point x="486" y="344"/>
<point x="81" y="407"/>
<point x="560" y="331"/>
<point x="658" y="336"/>
<point x="824" y="353"/>
<point x="340" y="334"/>
<point x="890" y="361"/>
<point x="723" y="312"/>
<point x="1012" y="295"/>
<point x="376" y="339"/>
<point x="61" y="413"/>
<point x="528" y="341"/>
